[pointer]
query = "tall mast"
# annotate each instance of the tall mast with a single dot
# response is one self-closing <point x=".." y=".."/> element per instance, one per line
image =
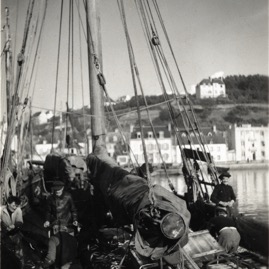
<point x="95" y="63"/>
<point x="8" y="64"/>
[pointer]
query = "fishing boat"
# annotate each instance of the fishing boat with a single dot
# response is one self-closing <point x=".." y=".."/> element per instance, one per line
<point x="136" y="224"/>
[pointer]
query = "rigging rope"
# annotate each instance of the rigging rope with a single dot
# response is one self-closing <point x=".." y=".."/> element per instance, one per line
<point x="72" y="52"/>
<point x="82" y="87"/>
<point x="149" y="27"/>
<point x="134" y="71"/>
<point x="11" y="127"/>
<point x="57" y="74"/>
<point x="181" y="77"/>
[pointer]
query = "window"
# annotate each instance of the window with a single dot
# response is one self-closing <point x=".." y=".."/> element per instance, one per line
<point x="263" y="144"/>
<point x="150" y="135"/>
<point x="263" y="154"/>
<point x="165" y="146"/>
<point x="138" y="135"/>
<point x="161" y="134"/>
<point x="150" y="147"/>
<point x="262" y="133"/>
<point x="165" y="156"/>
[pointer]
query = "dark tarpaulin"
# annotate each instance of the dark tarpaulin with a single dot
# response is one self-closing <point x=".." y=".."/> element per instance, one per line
<point x="197" y="155"/>
<point x="57" y="167"/>
<point x="126" y="195"/>
<point x="253" y="235"/>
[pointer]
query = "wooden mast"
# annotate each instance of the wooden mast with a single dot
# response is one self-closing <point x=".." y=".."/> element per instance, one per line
<point x="8" y="64"/>
<point x="95" y="65"/>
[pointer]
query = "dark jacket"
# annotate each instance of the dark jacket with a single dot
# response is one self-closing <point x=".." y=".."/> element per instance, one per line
<point x="61" y="209"/>
<point x="222" y="193"/>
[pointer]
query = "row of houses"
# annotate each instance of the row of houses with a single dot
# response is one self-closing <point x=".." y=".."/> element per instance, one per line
<point x="244" y="143"/>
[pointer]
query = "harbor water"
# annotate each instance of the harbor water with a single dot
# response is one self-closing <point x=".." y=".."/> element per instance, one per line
<point x="251" y="187"/>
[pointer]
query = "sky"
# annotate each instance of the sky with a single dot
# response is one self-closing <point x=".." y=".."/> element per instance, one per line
<point x="207" y="36"/>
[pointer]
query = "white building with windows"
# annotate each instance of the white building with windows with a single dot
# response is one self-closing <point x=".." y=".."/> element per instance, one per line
<point x="114" y="140"/>
<point x="214" y="143"/>
<point x="249" y="142"/>
<point x="164" y="143"/>
<point x="211" y="88"/>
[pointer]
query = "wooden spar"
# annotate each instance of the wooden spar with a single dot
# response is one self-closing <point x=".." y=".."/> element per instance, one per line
<point x="95" y="63"/>
<point x="8" y="64"/>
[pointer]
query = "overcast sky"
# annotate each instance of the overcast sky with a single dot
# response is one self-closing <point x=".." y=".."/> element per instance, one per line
<point x="207" y="36"/>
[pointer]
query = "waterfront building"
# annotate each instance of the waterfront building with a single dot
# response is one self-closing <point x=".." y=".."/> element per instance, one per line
<point x="114" y="143"/>
<point x="214" y="143"/>
<point x="249" y="142"/>
<point x="164" y="139"/>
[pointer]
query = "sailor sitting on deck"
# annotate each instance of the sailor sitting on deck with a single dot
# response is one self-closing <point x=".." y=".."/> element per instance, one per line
<point x="223" y="194"/>
<point x="11" y="223"/>
<point x="60" y="214"/>
<point x="224" y="229"/>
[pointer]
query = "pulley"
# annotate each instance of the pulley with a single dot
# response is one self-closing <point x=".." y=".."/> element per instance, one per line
<point x="101" y="79"/>
<point x="155" y="40"/>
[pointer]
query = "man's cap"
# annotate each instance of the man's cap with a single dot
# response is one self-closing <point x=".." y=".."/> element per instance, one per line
<point x="224" y="174"/>
<point x="57" y="185"/>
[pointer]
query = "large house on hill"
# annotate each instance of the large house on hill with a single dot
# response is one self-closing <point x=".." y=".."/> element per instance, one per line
<point x="42" y="117"/>
<point x="211" y="88"/>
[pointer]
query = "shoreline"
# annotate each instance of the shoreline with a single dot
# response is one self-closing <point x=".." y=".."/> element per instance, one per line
<point x="230" y="165"/>
<point x="243" y="165"/>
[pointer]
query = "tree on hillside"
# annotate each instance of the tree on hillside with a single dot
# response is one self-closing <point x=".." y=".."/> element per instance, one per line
<point x="248" y="89"/>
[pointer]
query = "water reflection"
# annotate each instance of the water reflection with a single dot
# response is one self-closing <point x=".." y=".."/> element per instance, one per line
<point x="251" y="188"/>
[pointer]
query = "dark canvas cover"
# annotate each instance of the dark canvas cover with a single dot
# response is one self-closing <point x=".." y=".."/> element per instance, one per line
<point x="126" y="195"/>
<point x="57" y="167"/>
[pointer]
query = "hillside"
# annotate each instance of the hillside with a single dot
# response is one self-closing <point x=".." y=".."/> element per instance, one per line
<point x="221" y="115"/>
<point x="247" y="103"/>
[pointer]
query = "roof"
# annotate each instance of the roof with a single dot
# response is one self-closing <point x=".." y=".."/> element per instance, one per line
<point x="217" y="80"/>
<point x="214" y="139"/>
<point x="147" y="130"/>
<point x="205" y="81"/>
<point x="37" y="114"/>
